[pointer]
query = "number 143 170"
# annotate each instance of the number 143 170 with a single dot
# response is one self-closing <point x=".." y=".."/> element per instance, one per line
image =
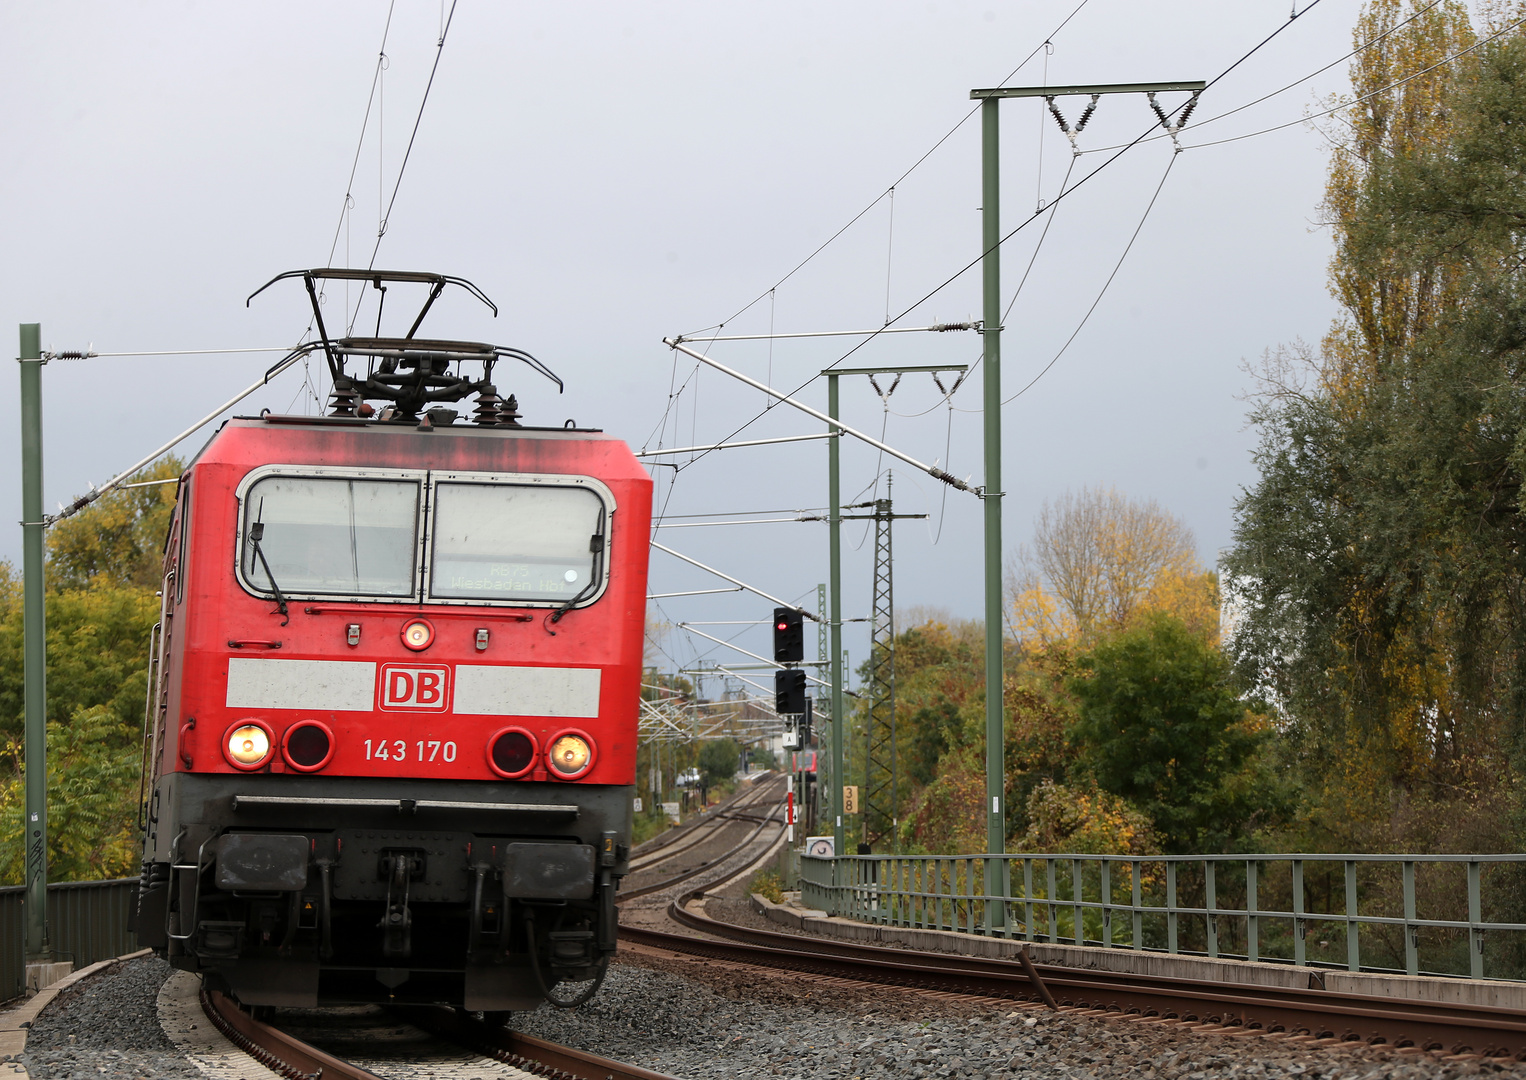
<point x="424" y="750"/>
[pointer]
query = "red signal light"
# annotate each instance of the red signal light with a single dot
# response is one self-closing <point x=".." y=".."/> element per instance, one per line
<point x="789" y="636"/>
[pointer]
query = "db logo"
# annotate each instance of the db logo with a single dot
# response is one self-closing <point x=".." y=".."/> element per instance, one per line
<point x="406" y="686"/>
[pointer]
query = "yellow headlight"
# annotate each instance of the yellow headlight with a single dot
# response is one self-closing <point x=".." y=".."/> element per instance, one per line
<point x="569" y="755"/>
<point x="418" y="635"/>
<point x="249" y="744"/>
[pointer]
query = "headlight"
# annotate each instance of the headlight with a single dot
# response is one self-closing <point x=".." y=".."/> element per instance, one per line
<point x="571" y="754"/>
<point x="248" y="745"/>
<point x="418" y="634"/>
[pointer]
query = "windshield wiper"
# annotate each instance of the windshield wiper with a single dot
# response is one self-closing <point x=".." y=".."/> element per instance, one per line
<point x="556" y="616"/>
<point x="596" y="546"/>
<point x="256" y="534"/>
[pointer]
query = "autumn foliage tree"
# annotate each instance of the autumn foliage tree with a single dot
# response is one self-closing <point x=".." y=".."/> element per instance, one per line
<point x="101" y="577"/>
<point x="1100" y="564"/>
<point x="1378" y="561"/>
<point x="1099" y="559"/>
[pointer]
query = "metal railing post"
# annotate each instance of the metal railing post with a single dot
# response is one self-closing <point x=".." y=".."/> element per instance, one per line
<point x="1475" y="916"/>
<point x="1252" y="920"/>
<point x="1006" y="896"/>
<point x="1075" y="899"/>
<point x="1411" y="931"/>
<point x="1107" y="903"/>
<point x="1211" y="919"/>
<point x="1299" y="927"/>
<point x="1028" y="897"/>
<point x="1171" y="908"/>
<point x="939" y="868"/>
<point x="1054" y="909"/>
<point x="1136" y="871"/>
<point x="969" y="885"/>
<point x="1353" y="944"/>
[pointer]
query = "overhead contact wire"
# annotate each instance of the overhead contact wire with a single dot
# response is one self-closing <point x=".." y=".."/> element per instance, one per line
<point x="1103" y="292"/>
<point x="1365" y="97"/>
<point x="1031" y="218"/>
<point x="899" y="180"/>
<point x="407" y="153"/>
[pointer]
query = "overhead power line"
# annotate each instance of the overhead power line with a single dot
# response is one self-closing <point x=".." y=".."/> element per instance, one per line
<point x="1066" y="193"/>
<point x="1365" y="97"/>
<point x="900" y="179"/>
<point x="387" y="217"/>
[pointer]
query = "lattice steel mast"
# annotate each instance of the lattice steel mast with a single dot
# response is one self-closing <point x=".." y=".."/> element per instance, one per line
<point x="879" y="809"/>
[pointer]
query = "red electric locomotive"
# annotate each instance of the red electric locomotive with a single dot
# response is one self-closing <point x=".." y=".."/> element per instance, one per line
<point x="394" y="730"/>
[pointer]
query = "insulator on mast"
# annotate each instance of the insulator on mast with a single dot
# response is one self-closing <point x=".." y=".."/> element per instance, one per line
<point x="1181" y="121"/>
<point x="1059" y="119"/>
<point x="1087" y="114"/>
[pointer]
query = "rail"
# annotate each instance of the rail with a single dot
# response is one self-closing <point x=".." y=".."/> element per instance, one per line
<point x="1415" y="914"/>
<point x="87" y="921"/>
<point x="1244" y="1009"/>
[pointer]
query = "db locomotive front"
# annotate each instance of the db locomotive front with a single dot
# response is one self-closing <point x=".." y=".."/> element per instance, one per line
<point x="394" y="697"/>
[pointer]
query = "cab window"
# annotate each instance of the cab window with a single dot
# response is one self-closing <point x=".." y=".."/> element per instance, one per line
<point x="516" y="542"/>
<point x="331" y="536"/>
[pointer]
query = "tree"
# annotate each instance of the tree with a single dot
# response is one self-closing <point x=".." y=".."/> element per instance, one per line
<point x="1378" y="562"/>
<point x="1386" y="298"/>
<point x="1161" y="726"/>
<point x="718" y="761"/>
<point x="97" y="646"/>
<point x="93" y="776"/>
<point x="1085" y="821"/>
<point x="1098" y="559"/>
<point x="102" y="573"/>
<point x="118" y="539"/>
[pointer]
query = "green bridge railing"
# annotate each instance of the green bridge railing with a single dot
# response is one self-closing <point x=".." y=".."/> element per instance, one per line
<point x="87" y="921"/>
<point x="1454" y="915"/>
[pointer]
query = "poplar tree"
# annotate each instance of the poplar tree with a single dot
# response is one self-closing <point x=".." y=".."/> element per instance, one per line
<point x="1378" y="561"/>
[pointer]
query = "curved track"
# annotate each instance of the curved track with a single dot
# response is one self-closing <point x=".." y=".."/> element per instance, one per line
<point x="1305" y="1015"/>
<point x="298" y="1059"/>
<point x="325" y="1041"/>
<point x="748" y="807"/>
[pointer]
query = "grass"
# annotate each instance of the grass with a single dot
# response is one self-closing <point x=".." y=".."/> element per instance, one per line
<point x="768" y="884"/>
<point x="646" y="826"/>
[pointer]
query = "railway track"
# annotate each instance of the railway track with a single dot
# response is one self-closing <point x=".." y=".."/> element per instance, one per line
<point x="1309" y="1016"/>
<point x="396" y="1044"/>
<point x="743" y="812"/>
<point x="514" y="1054"/>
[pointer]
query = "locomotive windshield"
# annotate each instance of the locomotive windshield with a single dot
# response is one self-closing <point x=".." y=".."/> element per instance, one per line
<point x="338" y="536"/>
<point x="515" y="542"/>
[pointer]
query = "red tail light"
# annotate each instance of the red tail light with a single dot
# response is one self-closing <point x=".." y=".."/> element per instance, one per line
<point x="308" y="746"/>
<point x="511" y="752"/>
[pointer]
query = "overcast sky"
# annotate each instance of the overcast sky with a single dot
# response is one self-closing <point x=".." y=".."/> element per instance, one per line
<point x="611" y="173"/>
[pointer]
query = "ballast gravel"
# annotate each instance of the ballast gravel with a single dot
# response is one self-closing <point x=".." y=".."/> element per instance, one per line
<point x="726" y="1023"/>
<point x="106" y="1027"/>
<point x="705" y="1021"/>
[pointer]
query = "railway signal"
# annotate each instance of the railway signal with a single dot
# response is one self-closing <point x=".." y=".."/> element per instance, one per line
<point x="798" y="735"/>
<point x="789" y="692"/>
<point x="789" y="636"/>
